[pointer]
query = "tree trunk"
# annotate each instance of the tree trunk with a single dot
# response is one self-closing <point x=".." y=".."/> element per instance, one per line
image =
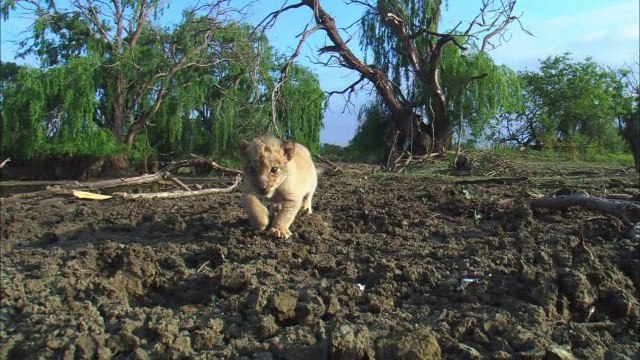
<point x="440" y="127"/>
<point x="118" y="113"/>
<point x="632" y="134"/>
<point x="413" y="134"/>
<point x="118" y="165"/>
<point x="438" y="104"/>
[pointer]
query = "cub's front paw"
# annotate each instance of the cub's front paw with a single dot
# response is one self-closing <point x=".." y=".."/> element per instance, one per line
<point x="280" y="233"/>
<point x="260" y="225"/>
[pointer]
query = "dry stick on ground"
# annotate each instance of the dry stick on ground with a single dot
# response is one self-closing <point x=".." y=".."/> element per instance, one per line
<point x="180" y="193"/>
<point x="334" y="168"/>
<point x="502" y="181"/>
<point x="618" y="208"/>
<point x="217" y="167"/>
<point x="2" y="164"/>
<point x="179" y="183"/>
<point x="164" y="173"/>
<point x="393" y="147"/>
<point x="41" y="193"/>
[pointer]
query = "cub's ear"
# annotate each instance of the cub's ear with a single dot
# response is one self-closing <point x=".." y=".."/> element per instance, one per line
<point x="244" y="147"/>
<point x="289" y="148"/>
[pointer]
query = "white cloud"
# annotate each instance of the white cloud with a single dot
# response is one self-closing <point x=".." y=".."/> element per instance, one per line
<point x="632" y="32"/>
<point x="609" y="34"/>
<point x="596" y="35"/>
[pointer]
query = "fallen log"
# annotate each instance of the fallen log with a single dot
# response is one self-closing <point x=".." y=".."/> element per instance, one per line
<point x="178" y="193"/>
<point x="619" y="208"/>
<point x="215" y="166"/>
<point x="163" y="174"/>
<point x="334" y="168"/>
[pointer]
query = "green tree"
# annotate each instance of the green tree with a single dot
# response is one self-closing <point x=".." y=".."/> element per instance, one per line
<point x="569" y="101"/>
<point x="407" y="46"/>
<point x="137" y="59"/>
<point x="50" y="113"/>
<point x="231" y="101"/>
<point x="301" y="106"/>
<point x="473" y="100"/>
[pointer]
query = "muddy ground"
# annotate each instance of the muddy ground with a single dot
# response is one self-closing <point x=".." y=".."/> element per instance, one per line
<point x="414" y="266"/>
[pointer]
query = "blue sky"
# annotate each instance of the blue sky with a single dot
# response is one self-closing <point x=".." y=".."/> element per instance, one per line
<point x="608" y="31"/>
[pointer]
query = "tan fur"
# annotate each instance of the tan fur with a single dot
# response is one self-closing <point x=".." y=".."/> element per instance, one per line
<point x="286" y="189"/>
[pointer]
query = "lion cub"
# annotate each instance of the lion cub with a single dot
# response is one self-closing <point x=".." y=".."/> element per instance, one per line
<point x="280" y="174"/>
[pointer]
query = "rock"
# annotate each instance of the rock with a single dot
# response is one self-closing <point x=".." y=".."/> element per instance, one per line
<point x="417" y="344"/>
<point x="55" y="344"/>
<point x="333" y="306"/>
<point x="379" y="303"/>
<point x="467" y="352"/>
<point x="520" y="339"/>
<point x="556" y="352"/>
<point x="577" y="288"/>
<point x="257" y="299"/>
<point x="350" y="342"/>
<point x="284" y="305"/>
<point x="266" y="327"/>
<point x="616" y="303"/>
<point x="205" y="339"/>
<point x="310" y="310"/>
<point x="232" y="277"/>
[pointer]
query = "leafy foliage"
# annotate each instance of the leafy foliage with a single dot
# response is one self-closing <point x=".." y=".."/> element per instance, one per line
<point x="441" y="79"/>
<point x="571" y="102"/>
<point x="51" y="114"/>
<point x="148" y="90"/>
<point x="373" y="133"/>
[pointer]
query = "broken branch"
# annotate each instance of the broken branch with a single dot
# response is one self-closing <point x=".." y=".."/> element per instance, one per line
<point x="618" y="208"/>
<point x="180" y="193"/>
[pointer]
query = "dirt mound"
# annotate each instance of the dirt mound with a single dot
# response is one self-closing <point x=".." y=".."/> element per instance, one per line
<point x="388" y="266"/>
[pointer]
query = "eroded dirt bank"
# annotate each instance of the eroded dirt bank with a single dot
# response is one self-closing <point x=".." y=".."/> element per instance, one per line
<point x="376" y="272"/>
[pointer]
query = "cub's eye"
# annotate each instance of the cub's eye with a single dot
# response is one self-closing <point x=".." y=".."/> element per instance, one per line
<point x="274" y="170"/>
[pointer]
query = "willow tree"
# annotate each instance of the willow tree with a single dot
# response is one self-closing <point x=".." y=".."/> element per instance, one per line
<point x="119" y="33"/>
<point x="301" y="106"/>
<point x="407" y="45"/>
<point x="232" y="100"/>
<point x="472" y="102"/>
<point x="49" y="114"/>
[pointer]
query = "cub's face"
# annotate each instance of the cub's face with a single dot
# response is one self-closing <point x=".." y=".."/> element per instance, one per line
<point x="265" y="163"/>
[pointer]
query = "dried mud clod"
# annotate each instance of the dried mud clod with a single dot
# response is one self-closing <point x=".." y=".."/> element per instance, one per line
<point x="377" y="271"/>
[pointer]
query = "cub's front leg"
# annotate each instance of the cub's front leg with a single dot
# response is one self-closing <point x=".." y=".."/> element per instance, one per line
<point x="258" y="213"/>
<point x="283" y="218"/>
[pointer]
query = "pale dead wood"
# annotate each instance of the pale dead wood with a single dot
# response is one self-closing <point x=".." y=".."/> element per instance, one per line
<point x="2" y="164"/>
<point x="334" y="168"/>
<point x="406" y="159"/>
<point x="501" y="181"/>
<point x="179" y="193"/>
<point x="217" y="167"/>
<point x="111" y="183"/>
<point x="179" y="183"/>
<point x="40" y="193"/>
<point x="626" y="197"/>
<point x="618" y="208"/>
<point x="163" y="174"/>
